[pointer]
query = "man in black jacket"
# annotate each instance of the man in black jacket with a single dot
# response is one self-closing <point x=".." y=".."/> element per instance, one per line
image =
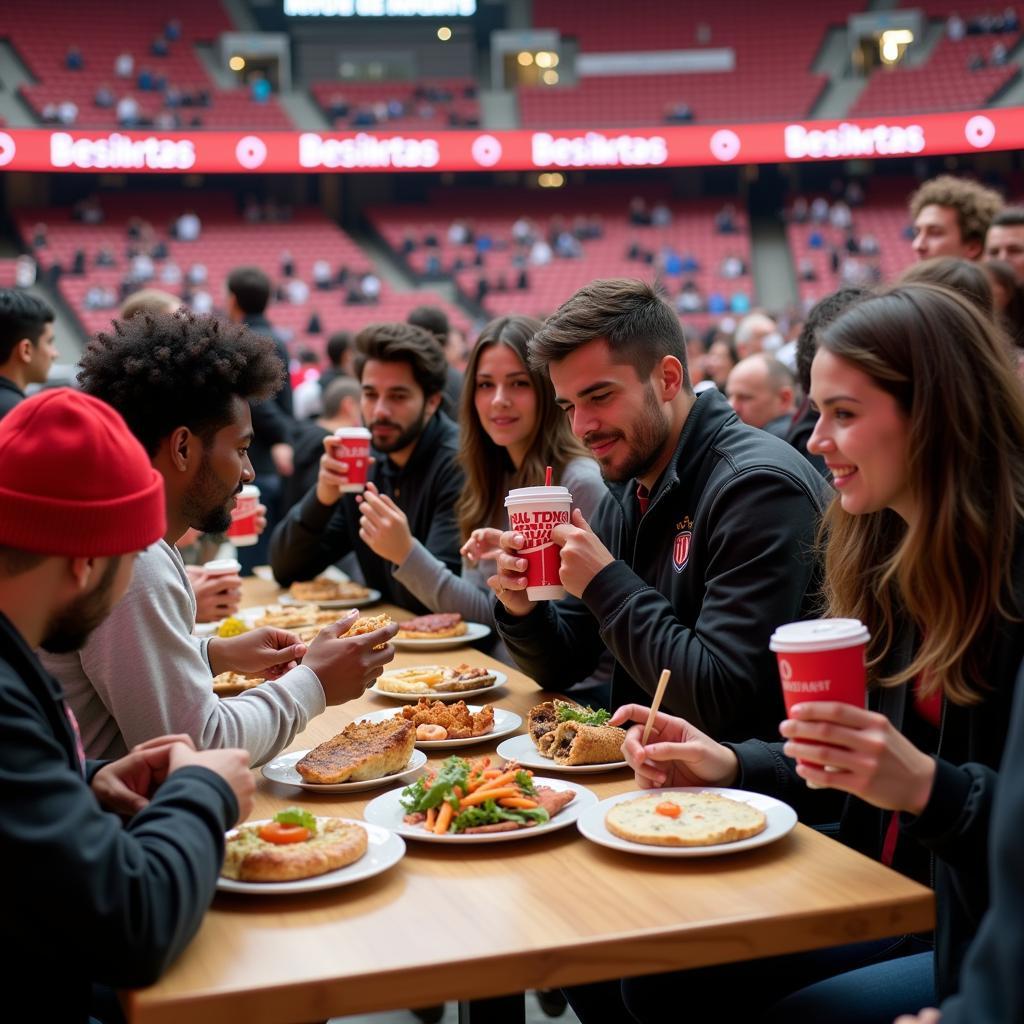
<point x="27" y="350"/>
<point x="109" y="866"/>
<point x="704" y="552"/>
<point x="402" y="374"/>
<point x="271" y="452"/>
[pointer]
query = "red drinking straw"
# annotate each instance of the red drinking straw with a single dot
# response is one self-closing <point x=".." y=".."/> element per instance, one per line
<point x="547" y="477"/>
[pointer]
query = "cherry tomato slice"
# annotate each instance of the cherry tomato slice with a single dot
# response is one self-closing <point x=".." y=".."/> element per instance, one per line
<point x="669" y="809"/>
<point x="275" y="832"/>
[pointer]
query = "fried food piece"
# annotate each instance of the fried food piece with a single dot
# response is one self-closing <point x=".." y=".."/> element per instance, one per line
<point x="456" y="719"/>
<point x="362" y="750"/>
<point x="325" y="589"/>
<point x="575" y="743"/>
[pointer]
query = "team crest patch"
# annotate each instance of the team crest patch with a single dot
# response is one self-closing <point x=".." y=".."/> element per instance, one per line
<point x="681" y="550"/>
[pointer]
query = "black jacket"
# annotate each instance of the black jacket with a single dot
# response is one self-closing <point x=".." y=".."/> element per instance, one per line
<point x="308" y="445"/>
<point x="10" y="395"/>
<point x="950" y="836"/>
<point x="992" y="984"/>
<point x="313" y="536"/>
<point x="87" y="898"/>
<point x="722" y="557"/>
<point x="799" y="433"/>
<point x="272" y="420"/>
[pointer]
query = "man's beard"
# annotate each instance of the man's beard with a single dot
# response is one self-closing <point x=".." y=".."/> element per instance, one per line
<point x="207" y="508"/>
<point x="646" y="443"/>
<point x="405" y="437"/>
<point x="70" y="627"/>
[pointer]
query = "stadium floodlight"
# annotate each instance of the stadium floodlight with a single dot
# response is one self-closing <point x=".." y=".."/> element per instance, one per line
<point x="444" y="33"/>
<point x="525" y="58"/>
<point x="237" y="63"/>
<point x="892" y="42"/>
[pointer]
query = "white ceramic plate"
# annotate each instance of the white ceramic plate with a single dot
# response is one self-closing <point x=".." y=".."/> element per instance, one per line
<point x="523" y="750"/>
<point x="500" y="679"/>
<point x="282" y="769"/>
<point x="384" y="850"/>
<point x="505" y="723"/>
<point x="474" y="631"/>
<point x="345" y="602"/>
<point x="781" y="821"/>
<point x="385" y="810"/>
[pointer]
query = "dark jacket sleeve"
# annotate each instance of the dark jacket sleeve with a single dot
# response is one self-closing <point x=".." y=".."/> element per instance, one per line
<point x="992" y="984"/>
<point x="311" y="537"/>
<point x="759" y="569"/>
<point x="271" y="424"/>
<point x="442" y="539"/>
<point x="126" y="900"/>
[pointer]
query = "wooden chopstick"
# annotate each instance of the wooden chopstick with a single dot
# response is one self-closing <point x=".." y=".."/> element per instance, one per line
<point x="658" y="694"/>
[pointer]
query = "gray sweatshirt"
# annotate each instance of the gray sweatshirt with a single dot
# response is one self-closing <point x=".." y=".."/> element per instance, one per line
<point x="442" y="591"/>
<point x="142" y="674"/>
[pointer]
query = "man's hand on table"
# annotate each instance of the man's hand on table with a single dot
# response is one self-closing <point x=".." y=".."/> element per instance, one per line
<point x="347" y="666"/>
<point x="676" y="754"/>
<point x="266" y="651"/>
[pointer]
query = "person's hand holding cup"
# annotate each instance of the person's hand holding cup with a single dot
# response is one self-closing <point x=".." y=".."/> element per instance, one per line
<point x="345" y="464"/>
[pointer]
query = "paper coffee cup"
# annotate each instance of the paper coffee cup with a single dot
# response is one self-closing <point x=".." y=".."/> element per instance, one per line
<point x="352" y="445"/>
<point x="242" y="530"/>
<point x="822" y="659"/>
<point x="534" y="512"/>
<point x="222" y="567"/>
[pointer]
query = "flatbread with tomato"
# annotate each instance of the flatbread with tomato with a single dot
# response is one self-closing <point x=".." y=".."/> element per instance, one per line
<point x="299" y="847"/>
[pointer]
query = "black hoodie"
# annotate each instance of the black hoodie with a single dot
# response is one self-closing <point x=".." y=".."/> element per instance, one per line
<point x="722" y="557"/>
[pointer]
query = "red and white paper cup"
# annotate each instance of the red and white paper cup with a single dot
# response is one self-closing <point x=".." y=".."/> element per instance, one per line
<point x="822" y="659"/>
<point x="535" y="512"/>
<point x="222" y="567"/>
<point x="352" y="445"/>
<point x="242" y="531"/>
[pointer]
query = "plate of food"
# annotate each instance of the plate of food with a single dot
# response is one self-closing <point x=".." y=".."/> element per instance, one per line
<point x="440" y="682"/>
<point x="687" y="821"/>
<point x="364" y="755"/>
<point x="492" y="805"/>
<point x="326" y="592"/>
<point x="439" y="725"/>
<point x="295" y="852"/>
<point x="566" y="737"/>
<point x="233" y="625"/>
<point x="438" y="632"/>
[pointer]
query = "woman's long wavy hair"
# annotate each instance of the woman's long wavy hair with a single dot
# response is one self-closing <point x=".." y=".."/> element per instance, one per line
<point x="489" y="470"/>
<point x="949" y="572"/>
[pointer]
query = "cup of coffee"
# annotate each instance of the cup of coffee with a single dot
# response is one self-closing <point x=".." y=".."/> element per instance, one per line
<point x="222" y="567"/>
<point x="242" y="531"/>
<point x="534" y="512"/>
<point x="352" y="445"/>
<point x="822" y="659"/>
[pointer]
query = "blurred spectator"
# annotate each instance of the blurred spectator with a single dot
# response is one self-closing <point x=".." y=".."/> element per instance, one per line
<point x="720" y="359"/>
<point x="149" y="300"/>
<point x="99" y="297"/>
<point x="661" y="216"/>
<point x="540" y="253"/>
<point x="25" y="270"/>
<point x="639" y="215"/>
<point x="323" y="279"/>
<point x="196" y="274"/>
<point x="127" y="112"/>
<point x="799" y="211"/>
<point x="459" y="233"/>
<point x="340" y="358"/>
<point x="173" y="97"/>
<point x="689" y="299"/>
<point x="39" y="236"/>
<point x="287" y="264"/>
<point x="819" y="210"/>
<point x="88" y="211"/>
<point x="159" y="47"/>
<point x="679" y="113"/>
<point x="739" y="303"/>
<point x="314" y="326"/>
<point x="145" y="82"/>
<point x="370" y="287"/>
<point x="805" y="269"/>
<point x="170" y="273"/>
<point x="999" y="55"/>
<point x="523" y="280"/>
<point x="260" y="88"/>
<point x="105" y="258"/>
<point x="167" y="121"/>
<point x="172" y="30"/>
<point x="435" y="320"/>
<point x="1005" y="239"/>
<point x="27" y="350"/>
<point x="951" y="217"/>
<point x="760" y="390"/>
<point x="297" y="291"/>
<point x="124" y="65"/>
<point x="141" y="268"/>
<point x="725" y="220"/>
<point x="73" y="59"/>
<point x="732" y="266"/>
<point x="1007" y="298"/>
<point x="104" y="97"/>
<point x="48" y="115"/>
<point x="78" y="263"/>
<point x="187" y="227"/>
<point x="202" y="302"/>
<point x="839" y="215"/>
<point x="956" y="29"/>
<point x="966" y="277"/>
<point x="751" y="333"/>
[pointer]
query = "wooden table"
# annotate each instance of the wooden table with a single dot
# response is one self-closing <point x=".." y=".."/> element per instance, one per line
<point x="491" y="920"/>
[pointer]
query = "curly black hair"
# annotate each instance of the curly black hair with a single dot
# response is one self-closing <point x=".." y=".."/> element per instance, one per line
<point x="819" y="317"/>
<point x="161" y="371"/>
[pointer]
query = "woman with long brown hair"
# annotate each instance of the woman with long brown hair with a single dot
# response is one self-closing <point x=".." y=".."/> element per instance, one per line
<point x="510" y="431"/>
<point x="922" y="428"/>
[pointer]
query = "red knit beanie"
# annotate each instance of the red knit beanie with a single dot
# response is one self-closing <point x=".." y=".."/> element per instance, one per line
<point x="74" y="480"/>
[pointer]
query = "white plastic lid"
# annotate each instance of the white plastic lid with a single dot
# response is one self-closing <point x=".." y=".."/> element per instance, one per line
<point x="249" y="491"/>
<point x="520" y="494"/>
<point x="223" y="565"/>
<point x="353" y="432"/>
<point x="819" y="635"/>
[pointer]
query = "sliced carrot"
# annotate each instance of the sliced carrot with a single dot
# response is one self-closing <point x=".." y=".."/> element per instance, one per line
<point x="492" y="773"/>
<point x="500" y="782"/>
<point x="444" y="819"/>
<point x="520" y="802"/>
<point x="487" y="794"/>
<point x="431" y="818"/>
